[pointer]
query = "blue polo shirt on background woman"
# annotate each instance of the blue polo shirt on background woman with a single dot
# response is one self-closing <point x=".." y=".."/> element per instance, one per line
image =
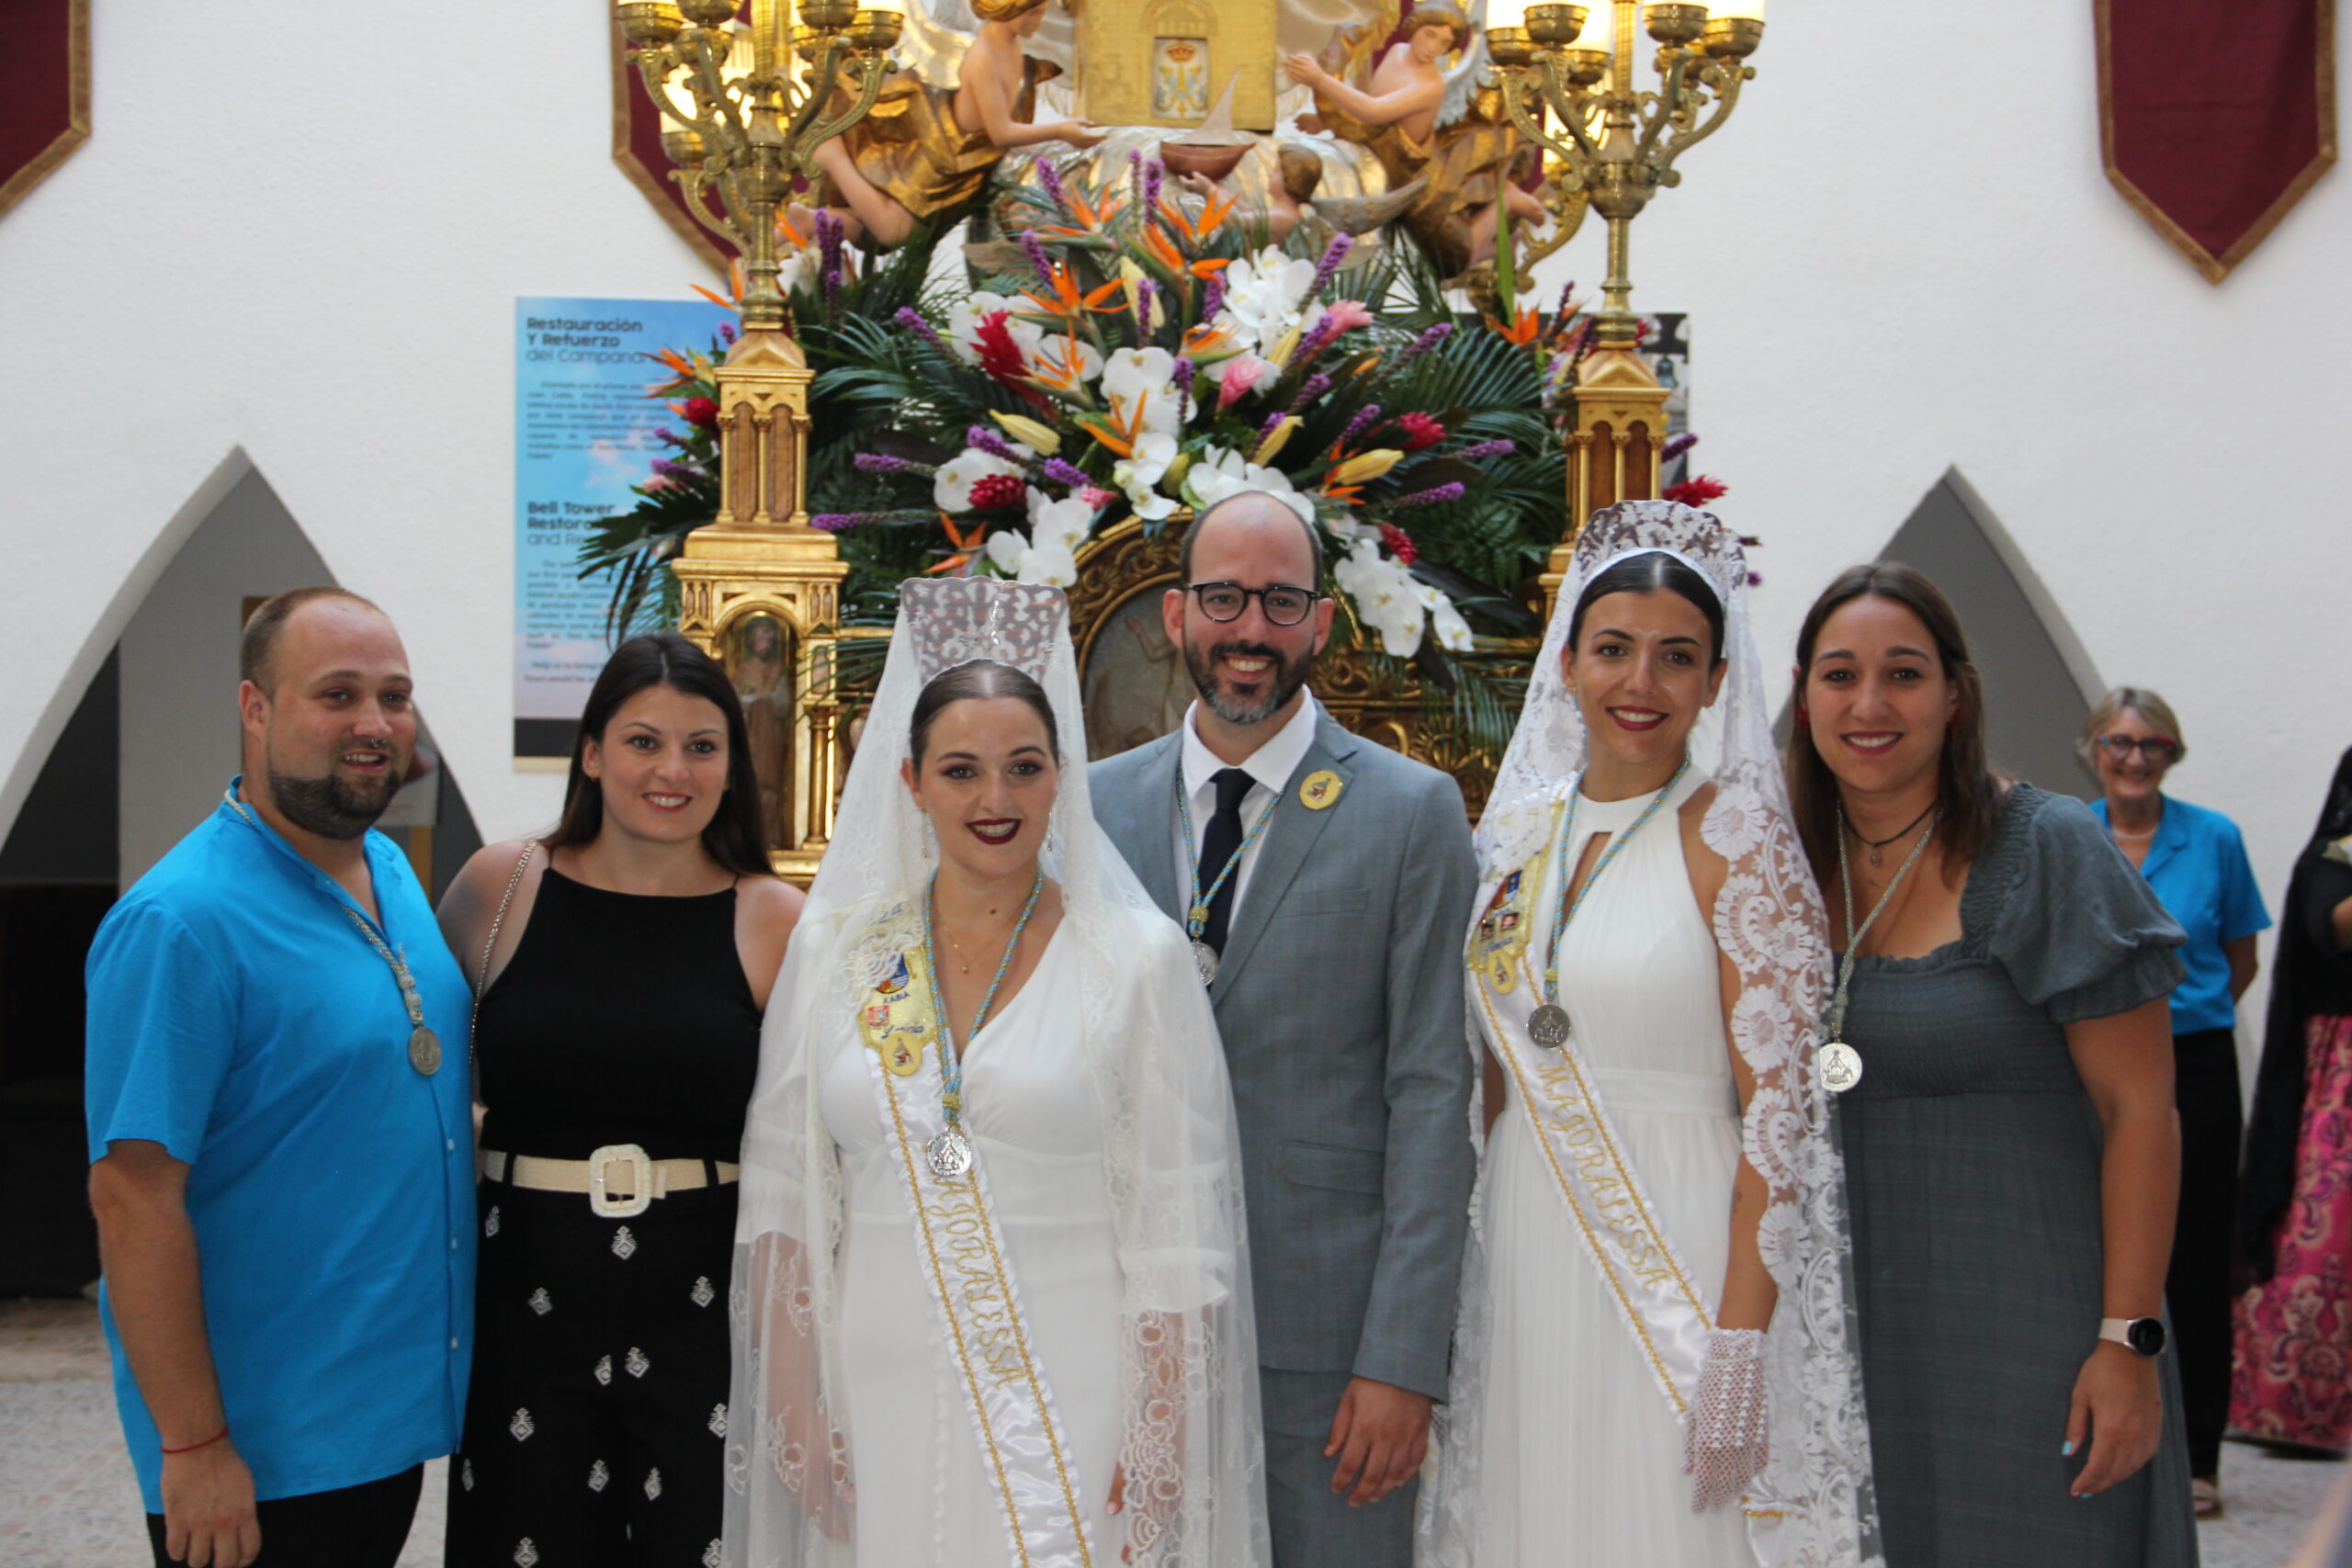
<point x="2196" y="862"/>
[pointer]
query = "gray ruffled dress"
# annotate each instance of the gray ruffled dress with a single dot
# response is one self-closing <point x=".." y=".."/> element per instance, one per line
<point x="1972" y="1161"/>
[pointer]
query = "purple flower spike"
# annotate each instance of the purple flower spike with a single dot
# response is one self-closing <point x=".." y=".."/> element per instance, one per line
<point x="1035" y="249"/>
<point x="1423" y="343"/>
<point x="882" y="463"/>
<point x="1332" y="256"/>
<point x="1359" y="427"/>
<point x="672" y="436"/>
<point x="1436" y="495"/>
<point x="981" y="438"/>
<point x="841" y="521"/>
<point x="1153" y="172"/>
<point x="1568" y="298"/>
<point x="726" y="332"/>
<point x="1503" y="447"/>
<point x="829" y="246"/>
<point x="1274" y="421"/>
<point x="1213" y="297"/>
<point x="1675" y="446"/>
<point x="912" y="319"/>
<point x="1182" y="380"/>
<point x="1145" y="291"/>
<point x="670" y="471"/>
<point x="1050" y="180"/>
<point x="1315" y="387"/>
<point x="1066" y="474"/>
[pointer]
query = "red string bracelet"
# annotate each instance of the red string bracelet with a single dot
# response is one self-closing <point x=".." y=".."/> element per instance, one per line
<point x="205" y="1444"/>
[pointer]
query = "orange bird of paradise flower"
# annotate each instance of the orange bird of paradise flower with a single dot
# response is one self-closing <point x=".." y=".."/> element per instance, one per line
<point x="965" y="544"/>
<point x="1521" y="331"/>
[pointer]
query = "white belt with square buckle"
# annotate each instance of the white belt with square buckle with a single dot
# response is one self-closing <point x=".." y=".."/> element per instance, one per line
<point x="640" y="1178"/>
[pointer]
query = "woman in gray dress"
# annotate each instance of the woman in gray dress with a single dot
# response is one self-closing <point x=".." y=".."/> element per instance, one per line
<point x="2011" y="1153"/>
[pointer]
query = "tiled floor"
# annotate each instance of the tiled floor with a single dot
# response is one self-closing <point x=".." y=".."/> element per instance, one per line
<point x="67" y="1499"/>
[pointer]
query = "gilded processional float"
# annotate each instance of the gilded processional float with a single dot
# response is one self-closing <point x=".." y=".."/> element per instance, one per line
<point x="1022" y="284"/>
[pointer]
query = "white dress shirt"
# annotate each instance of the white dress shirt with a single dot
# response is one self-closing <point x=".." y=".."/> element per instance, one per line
<point x="1270" y="766"/>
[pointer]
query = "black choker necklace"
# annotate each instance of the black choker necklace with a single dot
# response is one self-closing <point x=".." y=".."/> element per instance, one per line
<point x="1876" y="846"/>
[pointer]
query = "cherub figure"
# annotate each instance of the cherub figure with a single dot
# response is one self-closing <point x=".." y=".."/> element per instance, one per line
<point x="925" y="151"/>
<point x="1420" y="119"/>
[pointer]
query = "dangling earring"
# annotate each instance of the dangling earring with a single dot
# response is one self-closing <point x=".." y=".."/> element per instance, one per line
<point x="1803" y="719"/>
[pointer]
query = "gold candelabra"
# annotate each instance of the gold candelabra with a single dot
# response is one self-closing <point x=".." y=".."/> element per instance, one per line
<point x="745" y="128"/>
<point x="741" y="126"/>
<point x="1567" y="80"/>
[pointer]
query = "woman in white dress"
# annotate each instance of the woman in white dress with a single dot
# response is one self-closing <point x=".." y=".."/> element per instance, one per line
<point x="1655" y="1362"/>
<point x="991" y="1302"/>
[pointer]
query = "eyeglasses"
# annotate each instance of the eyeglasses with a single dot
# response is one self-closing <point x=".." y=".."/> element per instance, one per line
<point x="2161" y="749"/>
<point x="1284" y="605"/>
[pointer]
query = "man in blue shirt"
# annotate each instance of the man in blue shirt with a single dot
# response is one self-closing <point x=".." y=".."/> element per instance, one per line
<point x="280" y="1130"/>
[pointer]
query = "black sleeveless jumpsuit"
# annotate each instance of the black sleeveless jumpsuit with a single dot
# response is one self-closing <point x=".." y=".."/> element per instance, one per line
<point x="595" y="1428"/>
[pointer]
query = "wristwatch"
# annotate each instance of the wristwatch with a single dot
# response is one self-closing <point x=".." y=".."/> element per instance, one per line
<point x="2145" y="1336"/>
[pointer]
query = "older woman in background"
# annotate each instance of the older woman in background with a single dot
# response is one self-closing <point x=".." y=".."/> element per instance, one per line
<point x="2196" y="864"/>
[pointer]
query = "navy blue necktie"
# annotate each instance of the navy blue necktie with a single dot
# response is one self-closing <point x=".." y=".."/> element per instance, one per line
<point x="1224" y="837"/>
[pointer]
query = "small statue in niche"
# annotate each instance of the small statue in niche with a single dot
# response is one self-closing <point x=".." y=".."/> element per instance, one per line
<point x="925" y="151"/>
<point x="757" y="670"/>
<point x="1429" y="124"/>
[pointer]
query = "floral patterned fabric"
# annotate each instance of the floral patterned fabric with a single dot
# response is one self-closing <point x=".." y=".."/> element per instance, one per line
<point x="2294" y="1332"/>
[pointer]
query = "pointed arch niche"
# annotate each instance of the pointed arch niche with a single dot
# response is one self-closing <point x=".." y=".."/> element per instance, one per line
<point x="144" y="736"/>
<point x="2040" y="681"/>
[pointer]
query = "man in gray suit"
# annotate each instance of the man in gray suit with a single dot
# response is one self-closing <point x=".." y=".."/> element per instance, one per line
<point x="1326" y="882"/>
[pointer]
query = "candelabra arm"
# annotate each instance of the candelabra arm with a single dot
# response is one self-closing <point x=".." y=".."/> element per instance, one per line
<point x="697" y="183"/>
<point x="1532" y="125"/>
<point x="819" y="88"/>
<point x="1726" y="100"/>
<point x="803" y="147"/>
<point x="1567" y="111"/>
<point x="710" y="87"/>
<point x="655" y="67"/>
<point x="1668" y="108"/>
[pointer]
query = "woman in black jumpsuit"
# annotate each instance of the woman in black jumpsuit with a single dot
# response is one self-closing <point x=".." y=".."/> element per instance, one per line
<point x="628" y="955"/>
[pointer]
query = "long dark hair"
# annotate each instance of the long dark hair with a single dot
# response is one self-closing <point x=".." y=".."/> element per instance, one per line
<point x="734" y="836"/>
<point x="1652" y="571"/>
<point x="1968" y="793"/>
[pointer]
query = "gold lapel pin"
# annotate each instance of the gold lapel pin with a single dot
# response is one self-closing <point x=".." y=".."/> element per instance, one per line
<point x="1322" y="788"/>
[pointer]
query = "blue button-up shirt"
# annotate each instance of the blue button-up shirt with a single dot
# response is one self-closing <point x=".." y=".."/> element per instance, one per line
<point x="2196" y="864"/>
<point x="238" y="1017"/>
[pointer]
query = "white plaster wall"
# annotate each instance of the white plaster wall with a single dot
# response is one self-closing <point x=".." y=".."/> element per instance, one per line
<point x="305" y="242"/>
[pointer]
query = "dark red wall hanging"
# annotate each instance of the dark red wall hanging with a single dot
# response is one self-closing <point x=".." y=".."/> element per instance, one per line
<point x="2215" y="116"/>
<point x="44" y="91"/>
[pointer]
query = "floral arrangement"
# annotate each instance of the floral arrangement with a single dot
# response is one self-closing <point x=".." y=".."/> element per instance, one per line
<point x="1134" y="352"/>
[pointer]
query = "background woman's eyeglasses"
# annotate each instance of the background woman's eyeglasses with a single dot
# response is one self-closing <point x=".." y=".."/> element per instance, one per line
<point x="1284" y="605"/>
<point x="2161" y="749"/>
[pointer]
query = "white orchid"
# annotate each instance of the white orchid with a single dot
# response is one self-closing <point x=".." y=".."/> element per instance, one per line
<point x="1446" y="625"/>
<point x="1139" y="476"/>
<point x="1140" y="385"/>
<point x="1047" y="553"/>
<point x="1067" y="360"/>
<point x="1218" y="473"/>
<point x="951" y="487"/>
<point x="1265" y="295"/>
<point x="1385" y="596"/>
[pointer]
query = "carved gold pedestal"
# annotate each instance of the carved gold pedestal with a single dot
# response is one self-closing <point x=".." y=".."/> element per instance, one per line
<point x="1614" y="449"/>
<point x="760" y="557"/>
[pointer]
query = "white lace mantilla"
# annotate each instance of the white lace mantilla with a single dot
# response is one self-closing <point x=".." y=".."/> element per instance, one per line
<point x="1812" y="1506"/>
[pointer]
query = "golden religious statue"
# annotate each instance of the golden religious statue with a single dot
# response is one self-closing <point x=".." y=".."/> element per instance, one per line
<point x="926" y="149"/>
<point x="1430" y="123"/>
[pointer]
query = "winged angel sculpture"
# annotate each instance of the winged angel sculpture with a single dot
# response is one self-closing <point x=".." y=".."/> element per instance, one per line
<point x="1435" y="127"/>
<point x="925" y="151"/>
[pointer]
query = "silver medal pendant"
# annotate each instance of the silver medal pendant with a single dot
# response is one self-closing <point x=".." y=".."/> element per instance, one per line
<point x="425" y="1051"/>
<point x="950" y="1154"/>
<point x="1841" y="1066"/>
<point x="1548" y="1027"/>
<point x="1204" y="960"/>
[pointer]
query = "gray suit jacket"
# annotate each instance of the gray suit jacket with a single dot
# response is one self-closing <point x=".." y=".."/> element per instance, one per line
<point x="1339" y="1000"/>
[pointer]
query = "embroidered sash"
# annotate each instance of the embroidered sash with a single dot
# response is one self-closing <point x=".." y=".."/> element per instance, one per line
<point x="974" y="1296"/>
<point x="1654" y="1290"/>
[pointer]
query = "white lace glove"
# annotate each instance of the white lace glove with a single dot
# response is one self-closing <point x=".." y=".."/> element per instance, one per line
<point x="1723" y="1436"/>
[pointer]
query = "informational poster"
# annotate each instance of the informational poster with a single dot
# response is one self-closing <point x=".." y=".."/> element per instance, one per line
<point x="585" y="432"/>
